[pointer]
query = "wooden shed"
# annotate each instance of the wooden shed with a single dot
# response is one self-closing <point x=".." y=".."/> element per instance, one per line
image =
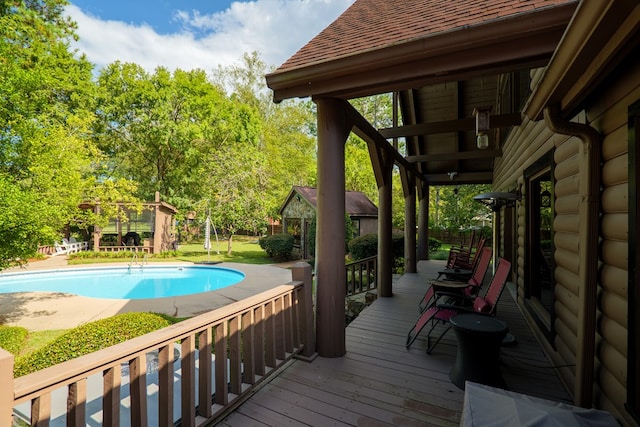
<point x="541" y="99"/>
<point x="301" y="206"/>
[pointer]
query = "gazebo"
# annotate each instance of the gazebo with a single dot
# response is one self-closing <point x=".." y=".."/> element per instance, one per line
<point x="149" y="231"/>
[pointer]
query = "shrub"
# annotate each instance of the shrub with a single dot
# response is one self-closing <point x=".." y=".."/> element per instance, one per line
<point x="367" y="246"/>
<point x="278" y="246"/>
<point x="364" y="246"/>
<point x="397" y="245"/>
<point x="88" y="338"/>
<point x="12" y="338"/>
<point x="434" y="244"/>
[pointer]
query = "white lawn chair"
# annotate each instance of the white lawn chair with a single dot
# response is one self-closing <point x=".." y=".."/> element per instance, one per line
<point x="60" y="249"/>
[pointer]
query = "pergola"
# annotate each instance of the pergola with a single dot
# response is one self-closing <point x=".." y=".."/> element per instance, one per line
<point x="444" y="62"/>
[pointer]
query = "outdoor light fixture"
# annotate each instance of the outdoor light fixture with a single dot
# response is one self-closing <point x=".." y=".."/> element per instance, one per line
<point x="497" y="199"/>
<point x="545" y="199"/>
<point x="482" y="126"/>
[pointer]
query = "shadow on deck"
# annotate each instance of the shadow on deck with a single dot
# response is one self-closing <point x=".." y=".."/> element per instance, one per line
<point x="379" y="382"/>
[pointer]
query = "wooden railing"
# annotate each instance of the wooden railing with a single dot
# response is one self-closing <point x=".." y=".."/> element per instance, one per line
<point x="362" y="275"/>
<point x="255" y="337"/>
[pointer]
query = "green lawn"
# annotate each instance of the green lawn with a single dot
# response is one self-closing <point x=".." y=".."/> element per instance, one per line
<point x="245" y="250"/>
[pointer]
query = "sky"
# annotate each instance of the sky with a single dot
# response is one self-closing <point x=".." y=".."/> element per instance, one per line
<point x="189" y="34"/>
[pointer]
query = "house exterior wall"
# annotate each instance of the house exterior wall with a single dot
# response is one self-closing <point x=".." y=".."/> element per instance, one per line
<point x="368" y="225"/>
<point x="607" y="113"/>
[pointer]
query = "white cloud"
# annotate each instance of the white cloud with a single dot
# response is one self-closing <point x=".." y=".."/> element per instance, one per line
<point x="275" y="28"/>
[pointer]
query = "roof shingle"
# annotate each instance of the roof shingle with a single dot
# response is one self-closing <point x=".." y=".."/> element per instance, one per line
<point x="374" y="24"/>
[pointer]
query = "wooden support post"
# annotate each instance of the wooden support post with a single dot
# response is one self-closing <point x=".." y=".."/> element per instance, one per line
<point x="6" y="391"/>
<point x="423" y="224"/>
<point x="301" y="271"/>
<point x="409" y="187"/>
<point x="333" y="130"/>
<point x="385" y="252"/>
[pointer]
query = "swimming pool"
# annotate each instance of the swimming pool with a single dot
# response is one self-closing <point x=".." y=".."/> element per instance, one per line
<point x="123" y="282"/>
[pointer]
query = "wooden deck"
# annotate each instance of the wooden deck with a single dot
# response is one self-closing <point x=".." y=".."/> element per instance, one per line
<point x="379" y="382"/>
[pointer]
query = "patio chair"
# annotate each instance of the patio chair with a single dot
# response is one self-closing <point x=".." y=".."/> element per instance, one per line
<point x="462" y="261"/>
<point x="72" y="247"/>
<point x="60" y="249"/>
<point x="444" y="312"/>
<point x="469" y="288"/>
<point x="81" y="245"/>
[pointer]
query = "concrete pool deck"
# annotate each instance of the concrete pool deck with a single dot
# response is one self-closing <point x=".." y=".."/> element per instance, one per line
<point x="46" y="311"/>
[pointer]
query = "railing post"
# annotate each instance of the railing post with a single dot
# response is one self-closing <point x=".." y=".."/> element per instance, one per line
<point x="6" y="391"/>
<point x="301" y="272"/>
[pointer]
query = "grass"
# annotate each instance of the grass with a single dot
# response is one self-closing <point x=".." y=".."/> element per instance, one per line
<point x="442" y="254"/>
<point x="245" y="250"/>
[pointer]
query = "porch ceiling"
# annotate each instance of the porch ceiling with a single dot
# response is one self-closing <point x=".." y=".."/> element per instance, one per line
<point x="440" y="73"/>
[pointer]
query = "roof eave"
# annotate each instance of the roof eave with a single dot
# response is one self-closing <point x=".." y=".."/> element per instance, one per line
<point x="444" y="56"/>
<point x="594" y="36"/>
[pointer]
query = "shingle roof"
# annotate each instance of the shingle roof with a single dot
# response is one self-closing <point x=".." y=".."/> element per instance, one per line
<point x="374" y="24"/>
<point x="356" y="202"/>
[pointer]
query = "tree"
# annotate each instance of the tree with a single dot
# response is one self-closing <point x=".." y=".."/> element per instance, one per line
<point x="453" y="207"/>
<point x="167" y="131"/>
<point x="24" y="223"/>
<point x="47" y="161"/>
<point x="288" y="137"/>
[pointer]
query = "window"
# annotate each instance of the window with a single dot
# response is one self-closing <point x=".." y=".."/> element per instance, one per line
<point x="633" y="339"/>
<point x="294" y="228"/>
<point x="539" y="284"/>
<point x="356" y="227"/>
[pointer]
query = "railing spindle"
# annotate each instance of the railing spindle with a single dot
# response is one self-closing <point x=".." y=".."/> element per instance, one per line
<point x="280" y="335"/>
<point x="111" y="380"/>
<point x="165" y="386"/>
<point x="258" y="336"/>
<point x="205" y="389"/>
<point x="287" y="321"/>
<point x="235" y="372"/>
<point x="76" y="403"/>
<point x="138" y="390"/>
<point x="222" y="393"/>
<point x="41" y="410"/>
<point x="248" y="349"/>
<point x="188" y="383"/>
<point x="270" y="335"/>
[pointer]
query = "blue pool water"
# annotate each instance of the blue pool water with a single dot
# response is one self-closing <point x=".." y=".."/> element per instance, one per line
<point x="124" y="283"/>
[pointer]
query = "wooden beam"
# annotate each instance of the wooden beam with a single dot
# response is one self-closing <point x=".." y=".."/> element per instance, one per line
<point x="460" y="178"/>
<point x="448" y="126"/>
<point x="460" y="155"/>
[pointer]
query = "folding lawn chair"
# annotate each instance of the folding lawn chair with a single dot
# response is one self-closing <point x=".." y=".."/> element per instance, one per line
<point x="444" y="312"/>
<point x="469" y="288"/>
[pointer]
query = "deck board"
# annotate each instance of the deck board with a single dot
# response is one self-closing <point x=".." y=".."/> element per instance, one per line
<point x="379" y="382"/>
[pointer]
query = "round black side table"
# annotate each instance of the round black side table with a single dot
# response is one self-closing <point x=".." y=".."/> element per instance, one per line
<point x="478" y="356"/>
